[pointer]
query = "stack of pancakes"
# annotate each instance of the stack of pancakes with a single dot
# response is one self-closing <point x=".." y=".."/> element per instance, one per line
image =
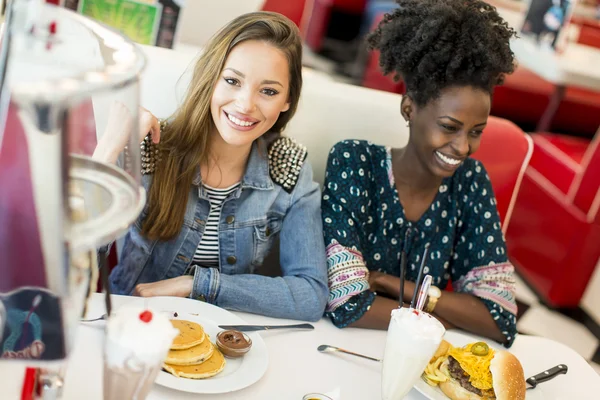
<point x="192" y="354"/>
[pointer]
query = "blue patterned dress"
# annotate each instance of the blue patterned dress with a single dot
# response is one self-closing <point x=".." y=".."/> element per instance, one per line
<point x="365" y="229"/>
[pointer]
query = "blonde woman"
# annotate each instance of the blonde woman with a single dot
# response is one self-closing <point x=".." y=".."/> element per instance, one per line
<point x="226" y="184"/>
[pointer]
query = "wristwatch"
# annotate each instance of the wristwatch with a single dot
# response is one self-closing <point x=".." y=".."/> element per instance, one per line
<point x="433" y="295"/>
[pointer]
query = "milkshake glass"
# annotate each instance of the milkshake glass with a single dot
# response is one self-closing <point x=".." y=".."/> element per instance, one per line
<point x="137" y="342"/>
<point x="412" y="339"/>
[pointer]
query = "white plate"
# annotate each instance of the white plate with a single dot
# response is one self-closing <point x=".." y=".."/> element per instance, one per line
<point x="238" y="373"/>
<point x="459" y="339"/>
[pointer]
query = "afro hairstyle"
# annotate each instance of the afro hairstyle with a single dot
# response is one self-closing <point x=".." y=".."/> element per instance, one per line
<point x="435" y="44"/>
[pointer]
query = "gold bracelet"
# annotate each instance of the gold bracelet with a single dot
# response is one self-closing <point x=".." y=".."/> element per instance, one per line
<point x="433" y="296"/>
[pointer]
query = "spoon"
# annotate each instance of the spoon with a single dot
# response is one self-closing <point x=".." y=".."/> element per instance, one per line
<point x="325" y="348"/>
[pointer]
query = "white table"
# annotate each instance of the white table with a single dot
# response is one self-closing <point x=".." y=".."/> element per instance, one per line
<point x="296" y="368"/>
<point x="577" y="65"/>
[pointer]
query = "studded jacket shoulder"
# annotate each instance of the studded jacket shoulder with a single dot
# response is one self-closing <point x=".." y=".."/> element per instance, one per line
<point x="149" y="152"/>
<point x="286" y="157"/>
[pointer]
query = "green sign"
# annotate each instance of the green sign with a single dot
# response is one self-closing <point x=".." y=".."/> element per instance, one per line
<point x="137" y="20"/>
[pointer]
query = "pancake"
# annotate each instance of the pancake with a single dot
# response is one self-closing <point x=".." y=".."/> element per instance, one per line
<point x="209" y="368"/>
<point x="193" y="355"/>
<point x="190" y="334"/>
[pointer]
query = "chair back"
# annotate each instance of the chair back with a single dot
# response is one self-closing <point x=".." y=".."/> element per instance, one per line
<point x="505" y="152"/>
<point x="293" y="9"/>
<point x="589" y="35"/>
<point x="585" y="193"/>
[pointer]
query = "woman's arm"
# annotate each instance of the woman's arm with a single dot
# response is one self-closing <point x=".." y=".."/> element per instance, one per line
<point x="118" y="129"/>
<point x="344" y="216"/>
<point x="454" y="310"/>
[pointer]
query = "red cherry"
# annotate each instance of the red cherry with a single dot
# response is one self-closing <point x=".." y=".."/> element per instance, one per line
<point x="415" y="312"/>
<point x="146" y="316"/>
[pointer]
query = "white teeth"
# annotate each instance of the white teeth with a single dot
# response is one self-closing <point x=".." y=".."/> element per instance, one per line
<point x="448" y="160"/>
<point x="238" y="121"/>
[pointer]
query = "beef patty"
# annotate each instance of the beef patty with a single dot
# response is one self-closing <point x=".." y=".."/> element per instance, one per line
<point x="456" y="372"/>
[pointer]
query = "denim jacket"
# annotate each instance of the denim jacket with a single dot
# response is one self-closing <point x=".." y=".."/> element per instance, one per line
<point x="252" y="217"/>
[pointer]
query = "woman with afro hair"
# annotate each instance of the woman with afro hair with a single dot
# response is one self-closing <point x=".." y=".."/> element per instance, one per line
<point x="378" y="201"/>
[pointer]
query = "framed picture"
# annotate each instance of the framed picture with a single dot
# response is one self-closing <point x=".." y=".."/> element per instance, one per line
<point x="150" y="22"/>
<point x="138" y="20"/>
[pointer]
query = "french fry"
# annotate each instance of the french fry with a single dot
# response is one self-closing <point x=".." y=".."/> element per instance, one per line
<point x="432" y="374"/>
<point x="428" y="381"/>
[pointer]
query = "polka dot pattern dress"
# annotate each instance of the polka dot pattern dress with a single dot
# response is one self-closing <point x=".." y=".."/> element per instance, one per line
<point x="365" y="230"/>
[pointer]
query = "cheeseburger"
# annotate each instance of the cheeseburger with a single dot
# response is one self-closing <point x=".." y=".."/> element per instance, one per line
<point x="476" y="372"/>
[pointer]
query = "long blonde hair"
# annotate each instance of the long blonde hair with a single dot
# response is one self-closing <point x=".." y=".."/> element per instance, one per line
<point x="185" y="141"/>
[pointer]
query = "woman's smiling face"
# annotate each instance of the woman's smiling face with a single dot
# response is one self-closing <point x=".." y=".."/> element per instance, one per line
<point x="448" y="129"/>
<point x="251" y="92"/>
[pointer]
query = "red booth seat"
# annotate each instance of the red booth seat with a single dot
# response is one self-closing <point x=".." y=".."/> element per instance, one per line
<point x="555" y="230"/>
<point x="373" y="78"/>
<point x="524" y="97"/>
<point x="505" y="151"/>
<point x="558" y="158"/>
<point x="293" y="9"/>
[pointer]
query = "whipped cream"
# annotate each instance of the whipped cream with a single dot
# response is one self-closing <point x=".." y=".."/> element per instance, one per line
<point x="412" y="339"/>
<point x="140" y="334"/>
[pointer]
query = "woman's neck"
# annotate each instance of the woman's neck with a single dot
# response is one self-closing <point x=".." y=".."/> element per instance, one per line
<point x="225" y="164"/>
<point x="410" y="172"/>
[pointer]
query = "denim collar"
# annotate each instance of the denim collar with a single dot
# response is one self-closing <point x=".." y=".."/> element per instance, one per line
<point x="257" y="169"/>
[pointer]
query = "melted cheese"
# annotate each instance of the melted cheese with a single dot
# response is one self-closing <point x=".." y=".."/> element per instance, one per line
<point x="478" y="367"/>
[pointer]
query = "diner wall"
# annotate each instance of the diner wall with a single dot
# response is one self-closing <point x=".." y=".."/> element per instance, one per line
<point x="202" y="18"/>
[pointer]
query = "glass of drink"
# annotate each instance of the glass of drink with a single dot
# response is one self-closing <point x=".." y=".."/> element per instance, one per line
<point x="412" y="339"/>
<point x="137" y="342"/>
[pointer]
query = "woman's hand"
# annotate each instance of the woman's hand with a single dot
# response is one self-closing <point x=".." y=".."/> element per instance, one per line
<point x="374" y="281"/>
<point x="118" y="128"/>
<point x="178" y="287"/>
<point x="390" y="285"/>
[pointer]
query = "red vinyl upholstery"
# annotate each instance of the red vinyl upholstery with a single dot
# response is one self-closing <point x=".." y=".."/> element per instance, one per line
<point x="555" y="230"/>
<point x="317" y="26"/>
<point x="293" y="9"/>
<point x="589" y="35"/>
<point x="505" y="152"/>
<point x="373" y="78"/>
<point x="524" y="97"/>
<point x="585" y="188"/>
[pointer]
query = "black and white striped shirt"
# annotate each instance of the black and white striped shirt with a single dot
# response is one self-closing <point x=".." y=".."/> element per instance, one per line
<point x="207" y="253"/>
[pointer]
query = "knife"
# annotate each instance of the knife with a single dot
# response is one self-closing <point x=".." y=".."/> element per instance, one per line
<point x="252" y="328"/>
<point x="547" y="375"/>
